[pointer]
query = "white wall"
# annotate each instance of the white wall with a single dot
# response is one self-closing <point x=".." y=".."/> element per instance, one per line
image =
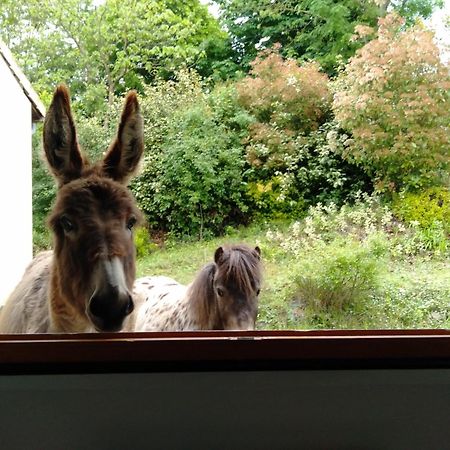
<point x="16" y="235"/>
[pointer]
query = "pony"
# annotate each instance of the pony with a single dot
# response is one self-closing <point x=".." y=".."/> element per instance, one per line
<point x="223" y="296"/>
<point x="85" y="283"/>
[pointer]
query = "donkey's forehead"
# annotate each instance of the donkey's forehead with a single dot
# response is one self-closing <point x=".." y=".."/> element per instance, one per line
<point x="95" y="193"/>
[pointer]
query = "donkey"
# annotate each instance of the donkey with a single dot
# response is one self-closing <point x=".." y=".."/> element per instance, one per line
<point x="223" y="296"/>
<point x="85" y="284"/>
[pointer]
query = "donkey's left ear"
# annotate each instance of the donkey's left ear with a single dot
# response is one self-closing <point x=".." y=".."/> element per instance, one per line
<point x="122" y="159"/>
<point x="60" y="139"/>
<point x="257" y="252"/>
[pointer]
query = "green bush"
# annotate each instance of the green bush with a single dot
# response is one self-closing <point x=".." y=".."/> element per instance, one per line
<point x="287" y="173"/>
<point x="142" y="242"/>
<point x="335" y="277"/>
<point x="425" y="207"/>
<point x="427" y="212"/>
<point x="275" y="199"/>
<point x="321" y="173"/>
<point x="43" y="194"/>
<point x="195" y="186"/>
<point x="162" y="101"/>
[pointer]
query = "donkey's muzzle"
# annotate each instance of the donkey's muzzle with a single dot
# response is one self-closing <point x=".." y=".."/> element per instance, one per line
<point x="108" y="308"/>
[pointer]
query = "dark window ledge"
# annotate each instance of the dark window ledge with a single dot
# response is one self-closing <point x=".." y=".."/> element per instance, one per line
<point x="224" y="351"/>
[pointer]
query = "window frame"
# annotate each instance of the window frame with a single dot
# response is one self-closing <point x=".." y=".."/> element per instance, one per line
<point x="224" y="351"/>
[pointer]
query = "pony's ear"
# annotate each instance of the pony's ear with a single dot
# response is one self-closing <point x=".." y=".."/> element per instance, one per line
<point x="257" y="252"/>
<point x="124" y="154"/>
<point x="60" y="139"/>
<point x="218" y="255"/>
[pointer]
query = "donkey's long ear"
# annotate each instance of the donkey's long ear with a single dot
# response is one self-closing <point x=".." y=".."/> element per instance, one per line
<point x="125" y="152"/>
<point x="60" y="139"/>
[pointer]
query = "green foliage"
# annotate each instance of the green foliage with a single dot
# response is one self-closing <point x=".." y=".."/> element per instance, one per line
<point x="294" y="154"/>
<point x="393" y="98"/>
<point x="425" y="207"/>
<point x="161" y="101"/>
<point x="321" y="173"/>
<point x="412" y="10"/>
<point x="94" y="136"/>
<point x="194" y="185"/>
<point x="368" y="221"/>
<point x="412" y="306"/>
<point x="144" y="246"/>
<point x="413" y="295"/>
<point x="318" y="30"/>
<point x="44" y="191"/>
<point x="428" y="212"/>
<point x="101" y="49"/>
<point x="335" y="277"/>
<point x="275" y="199"/>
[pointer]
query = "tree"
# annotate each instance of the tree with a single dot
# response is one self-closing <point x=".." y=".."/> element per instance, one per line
<point x="411" y="10"/>
<point x="100" y="50"/>
<point x="317" y="30"/>
<point x="393" y="98"/>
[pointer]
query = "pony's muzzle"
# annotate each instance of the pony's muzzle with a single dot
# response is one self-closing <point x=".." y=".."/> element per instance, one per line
<point x="108" y="308"/>
<point x="245" y="323"/>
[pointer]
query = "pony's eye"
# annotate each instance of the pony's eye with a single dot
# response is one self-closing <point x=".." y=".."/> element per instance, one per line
<point x="220" y="292"/>
<point x="66" y="224"/>
<point x="131" y="222"/>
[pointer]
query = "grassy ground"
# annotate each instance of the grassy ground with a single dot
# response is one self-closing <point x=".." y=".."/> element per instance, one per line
<point x="407" y="293"/>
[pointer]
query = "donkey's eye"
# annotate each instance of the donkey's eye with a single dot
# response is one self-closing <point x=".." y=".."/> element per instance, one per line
<point x="220" y="292"/>
<point x="67" y="224"/>
<point x="258" y="291"/>
<point x="131" y="222"/>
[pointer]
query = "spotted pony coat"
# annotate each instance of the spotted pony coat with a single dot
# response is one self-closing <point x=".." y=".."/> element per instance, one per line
<point x="224" y="295"/>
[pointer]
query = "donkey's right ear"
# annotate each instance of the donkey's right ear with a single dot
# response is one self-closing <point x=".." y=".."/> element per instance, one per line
<point x="60" y="139"/>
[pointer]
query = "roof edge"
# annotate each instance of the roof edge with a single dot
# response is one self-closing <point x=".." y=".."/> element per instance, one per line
<point x="38" y="108"/>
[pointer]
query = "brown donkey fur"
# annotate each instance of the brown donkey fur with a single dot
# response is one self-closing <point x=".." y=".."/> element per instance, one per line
<point x="85" y="284"/>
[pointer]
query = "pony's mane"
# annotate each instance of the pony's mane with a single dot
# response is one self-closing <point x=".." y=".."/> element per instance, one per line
<point x="201" y="295"/>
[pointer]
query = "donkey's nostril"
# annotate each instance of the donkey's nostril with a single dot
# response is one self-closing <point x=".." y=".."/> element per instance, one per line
<point x="130" y="306"/>
<point x="96" y="307"/>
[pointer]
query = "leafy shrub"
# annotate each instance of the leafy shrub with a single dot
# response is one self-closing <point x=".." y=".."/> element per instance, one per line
<point x="43" y="194"/>
<point x="287" y="101"/>
<point x="280" y="92"/>
<point x="294" y="157"/>
<point x="94" y="136"/>
<point x="335" y="277"/>
<point x="142" y="242"/>
<point x="195" y="186"/>
<point x="427" y="212"/>
<point x="367" y="221"/>
<point x="321" y="173"/>
<point x="393" y="98"/>
<point x="275" y="199"/>
<point x="162" y="101"/>
<point x="425" y="207"/>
